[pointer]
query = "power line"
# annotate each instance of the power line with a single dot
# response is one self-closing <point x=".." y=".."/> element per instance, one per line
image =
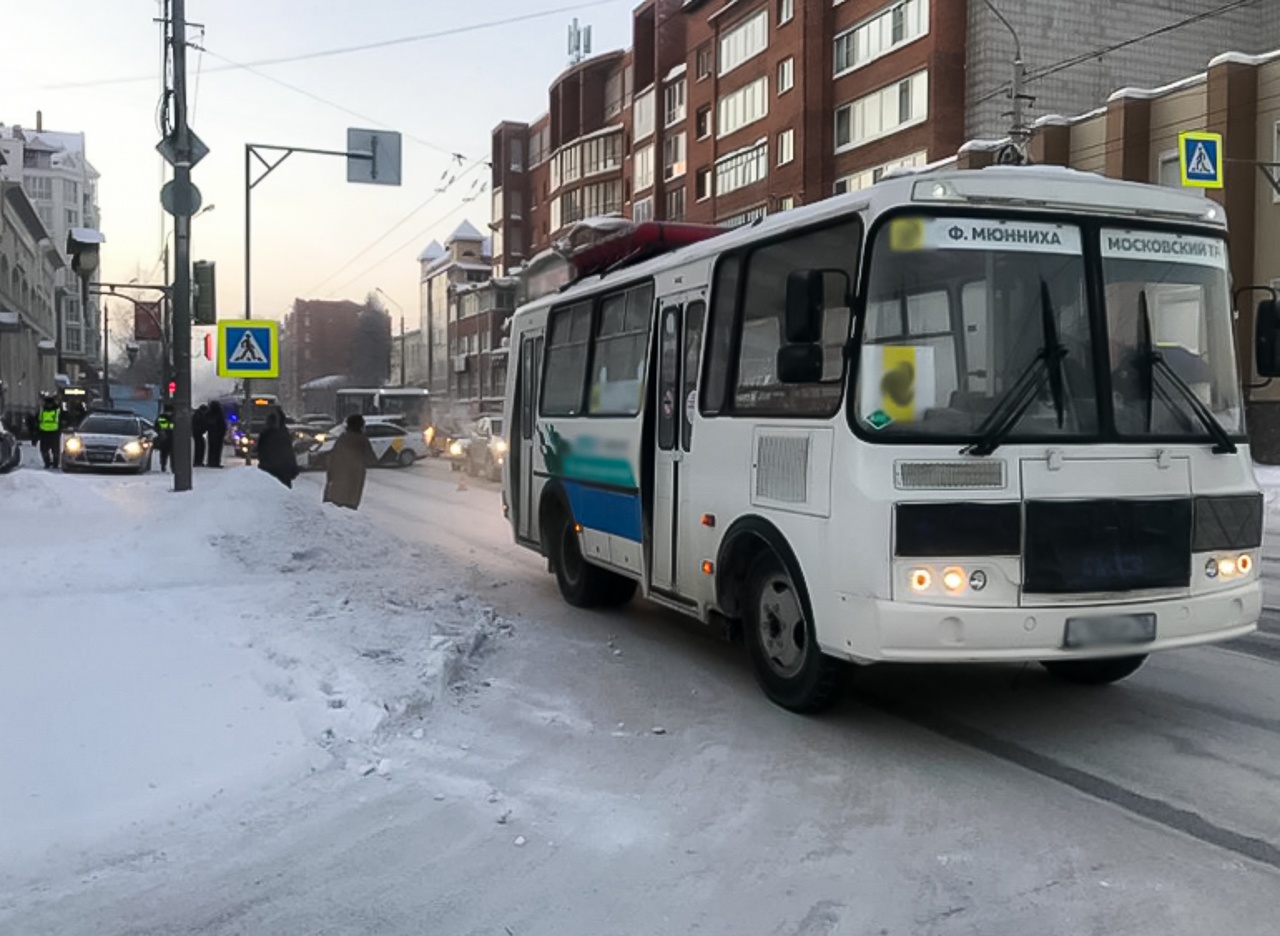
<point x="347" y="50"/>
<point x="403" y="221"/>
<point x="1080" y="59"/>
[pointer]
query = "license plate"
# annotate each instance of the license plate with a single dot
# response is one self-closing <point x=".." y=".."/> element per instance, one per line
<point x="1110" y="630"/>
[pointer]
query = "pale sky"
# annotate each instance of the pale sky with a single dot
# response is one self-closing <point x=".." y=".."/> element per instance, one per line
<point x="307" y="220"/>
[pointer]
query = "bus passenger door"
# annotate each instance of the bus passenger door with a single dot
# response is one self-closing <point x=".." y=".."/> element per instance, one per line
<point x="523" y="438"/>
<point x="679" y="350"/>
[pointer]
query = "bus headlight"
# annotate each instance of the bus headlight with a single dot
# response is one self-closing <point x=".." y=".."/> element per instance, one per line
<point x="953" y="579"/>
<point x="921" y="579"/>
<point x="1228" y="567"/>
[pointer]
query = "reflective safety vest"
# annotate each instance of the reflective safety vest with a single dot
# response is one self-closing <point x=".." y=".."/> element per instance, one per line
<point x="49" y="420"/>
<point x="164" y="423"/>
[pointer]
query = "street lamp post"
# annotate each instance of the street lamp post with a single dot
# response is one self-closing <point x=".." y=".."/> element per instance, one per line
<point x="82" y="246"/>
<point x="403" y="352"/>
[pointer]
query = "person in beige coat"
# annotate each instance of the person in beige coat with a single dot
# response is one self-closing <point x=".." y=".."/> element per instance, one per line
<point x="344" y="473"/>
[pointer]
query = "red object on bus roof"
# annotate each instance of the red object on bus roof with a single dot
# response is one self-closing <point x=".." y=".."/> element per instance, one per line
<point x="600" y="245"/>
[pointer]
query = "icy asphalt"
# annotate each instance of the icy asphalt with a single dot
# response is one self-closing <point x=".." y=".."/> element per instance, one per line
<point x="501" y="763"/>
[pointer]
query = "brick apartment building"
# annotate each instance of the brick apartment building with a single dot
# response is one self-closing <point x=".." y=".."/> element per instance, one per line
<point x="724" y="110"/>
<point x="331" y="339"/>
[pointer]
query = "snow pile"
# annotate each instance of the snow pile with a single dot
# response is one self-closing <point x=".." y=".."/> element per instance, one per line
<point x="165" y="656"/>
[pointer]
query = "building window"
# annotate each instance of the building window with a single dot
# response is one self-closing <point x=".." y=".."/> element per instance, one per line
<point x="642" y="210"/>
<point x="673" y="157"/>
<point x="883" y="112"/>
<point x="786" y="75"/>
<point x="741" y="169"/>
<point x="786" y="146"/>
<point x="571" y="206"/>
<point x="706" y="62"/>
<point x="743" y="218"/>
<point x="513" y="201"/>
<point x="744" y="41"/>
<point x="642" y="115"/>
<point x="674" y="109"/>
<point x="517" y="156"/>
<point x="70" y="191"/>
<point x="786" y="10"/>
<point x="38" y="187"/>
<point x="602" y="199"/>
<point x="613" y="95"/>
<point x="742" y="107"/>
<point x="72" y="218"/>
<point x="868" y="177"/>
<point x="884" y="32"/>
<point x="675" y="204"/>
<point x="602" y="154"/>
<point x="702" y="185"/>
<point x="642" y="169"/>
<point x="704" y="122"/>
<point x="786" y="202"/>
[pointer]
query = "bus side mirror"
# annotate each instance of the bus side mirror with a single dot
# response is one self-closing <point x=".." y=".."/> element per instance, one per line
<point x="1267" y="338"/>
<point x="800" y="363"/>
<point x="806" y="297"/>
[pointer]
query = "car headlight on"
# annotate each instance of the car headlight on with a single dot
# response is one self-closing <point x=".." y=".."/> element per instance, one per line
<point x="132" y="448"/>
<point x="321" y="436"/>
<point x="428" y="435"/>
<point x="73" y="445"/>
<point x="500" y="446"/>
<point x="455" y="449"/>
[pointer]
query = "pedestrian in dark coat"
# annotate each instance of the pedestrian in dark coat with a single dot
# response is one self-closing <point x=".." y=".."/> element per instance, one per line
<point x="199" y="428"/>
<point x="216" y="435"/>
<point x="164" y="435"/>
<point x="275" y="451"/>
<point x="344" y="472"/>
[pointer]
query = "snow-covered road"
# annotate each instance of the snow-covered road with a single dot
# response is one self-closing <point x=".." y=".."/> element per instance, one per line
<point x="594" y="773"/>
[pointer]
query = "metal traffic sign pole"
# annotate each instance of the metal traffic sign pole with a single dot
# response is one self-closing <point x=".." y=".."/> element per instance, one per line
<point x="373" y="157"/>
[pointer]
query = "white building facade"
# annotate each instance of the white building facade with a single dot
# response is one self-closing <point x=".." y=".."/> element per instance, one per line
<point x="62" y="186"/>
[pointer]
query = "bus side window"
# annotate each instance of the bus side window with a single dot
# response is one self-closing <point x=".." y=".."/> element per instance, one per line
<point x="724" y="302"/>
<point x="833" y="250"/>
<point x="618" y="354"/>
<point x="564" y="379"/>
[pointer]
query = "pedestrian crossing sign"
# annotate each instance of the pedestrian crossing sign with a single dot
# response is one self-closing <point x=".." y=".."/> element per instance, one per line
<point x="1201" y="157"/>
<point x="248" y="348"/>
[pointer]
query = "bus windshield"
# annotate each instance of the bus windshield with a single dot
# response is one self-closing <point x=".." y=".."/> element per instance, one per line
<point x="973" y="322"/>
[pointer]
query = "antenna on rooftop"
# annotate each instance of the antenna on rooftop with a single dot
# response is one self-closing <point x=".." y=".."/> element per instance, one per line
<point x="579" y="42"/>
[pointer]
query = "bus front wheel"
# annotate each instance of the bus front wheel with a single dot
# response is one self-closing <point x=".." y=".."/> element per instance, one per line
<point x="1095" y="672"/>
<point x="582" y="584"/>
<point x="790" y="667"/>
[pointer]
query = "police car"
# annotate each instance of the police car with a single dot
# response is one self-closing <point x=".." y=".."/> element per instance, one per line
<point x="393" y="444"/>
<point x="116" y="440"/>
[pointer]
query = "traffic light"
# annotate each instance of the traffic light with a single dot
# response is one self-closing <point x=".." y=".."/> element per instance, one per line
<point x="205" y="299"/>
<point x="173" y="387"/>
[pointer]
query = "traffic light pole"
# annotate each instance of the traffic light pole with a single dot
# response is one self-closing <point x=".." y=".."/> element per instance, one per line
<point x="182" y="255"/>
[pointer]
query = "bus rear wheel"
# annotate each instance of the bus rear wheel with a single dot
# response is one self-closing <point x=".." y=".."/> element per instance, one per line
<point x="582" y="584"/>
<point x="1095" y="672"/>
<point x="789" y="666"/>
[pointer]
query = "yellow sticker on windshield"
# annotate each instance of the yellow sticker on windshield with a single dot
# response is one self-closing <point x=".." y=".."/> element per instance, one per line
<point x="906" y="235"/>
<point x="898" y="382"/>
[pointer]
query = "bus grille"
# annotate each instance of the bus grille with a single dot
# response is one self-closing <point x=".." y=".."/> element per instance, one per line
<point x="782" y="468"/>
<point x="1107" y="545"/>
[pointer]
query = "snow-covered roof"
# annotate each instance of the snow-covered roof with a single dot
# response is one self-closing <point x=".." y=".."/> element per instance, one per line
<point x="433" y="251"/>
<point x="464" y="231"/>
<point x="1240" y="58"/>
<point x="1147" y="94"/>
<point x="328" y="382"/>
<point x="9" y="318"/>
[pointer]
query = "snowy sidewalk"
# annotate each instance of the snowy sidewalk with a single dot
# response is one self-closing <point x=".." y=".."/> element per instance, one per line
<point x="170" y="660"/>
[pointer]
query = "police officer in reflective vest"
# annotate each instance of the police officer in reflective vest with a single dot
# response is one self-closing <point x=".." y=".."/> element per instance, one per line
<point x="164" y="435"/>
<point x="49" y="426"/>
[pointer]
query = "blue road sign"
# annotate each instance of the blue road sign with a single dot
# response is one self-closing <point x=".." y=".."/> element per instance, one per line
<point x="1201" y="157"/>
<point x="248" y="348"/>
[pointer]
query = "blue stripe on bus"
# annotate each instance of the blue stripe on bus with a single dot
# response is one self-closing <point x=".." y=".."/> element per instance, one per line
<point x="611" y="512"/>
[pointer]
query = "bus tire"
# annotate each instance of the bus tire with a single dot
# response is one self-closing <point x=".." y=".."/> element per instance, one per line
<point x="1101" y="672"/>
<point x="582" y="584"/>
<point x="789" y="666"/>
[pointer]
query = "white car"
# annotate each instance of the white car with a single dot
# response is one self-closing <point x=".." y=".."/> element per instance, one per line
<point x="108" y="440"/>
<point x="393" y="444"/>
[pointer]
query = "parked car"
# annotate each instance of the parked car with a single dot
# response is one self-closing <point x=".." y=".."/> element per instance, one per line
<point x="393" y="445"/>
<point x="10" y="450"/>
<point x="456" y="452"/>
<point x="108" y="440"/>
<point x="487" y="449"/>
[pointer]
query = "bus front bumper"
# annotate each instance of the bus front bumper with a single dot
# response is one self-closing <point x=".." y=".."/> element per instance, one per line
<point x="880" y="630"/>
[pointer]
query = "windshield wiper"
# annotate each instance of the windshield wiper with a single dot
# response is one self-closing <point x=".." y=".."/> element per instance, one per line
<point x="1046" y="365"/>
<point x="1157" y="364"/>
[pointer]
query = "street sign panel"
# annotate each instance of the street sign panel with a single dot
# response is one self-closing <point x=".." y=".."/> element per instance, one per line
<point x="373" y="156"/>
<point x="248" y="348"/>
<point x="1200" y="155"/>
<point x="167" y="148"/>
